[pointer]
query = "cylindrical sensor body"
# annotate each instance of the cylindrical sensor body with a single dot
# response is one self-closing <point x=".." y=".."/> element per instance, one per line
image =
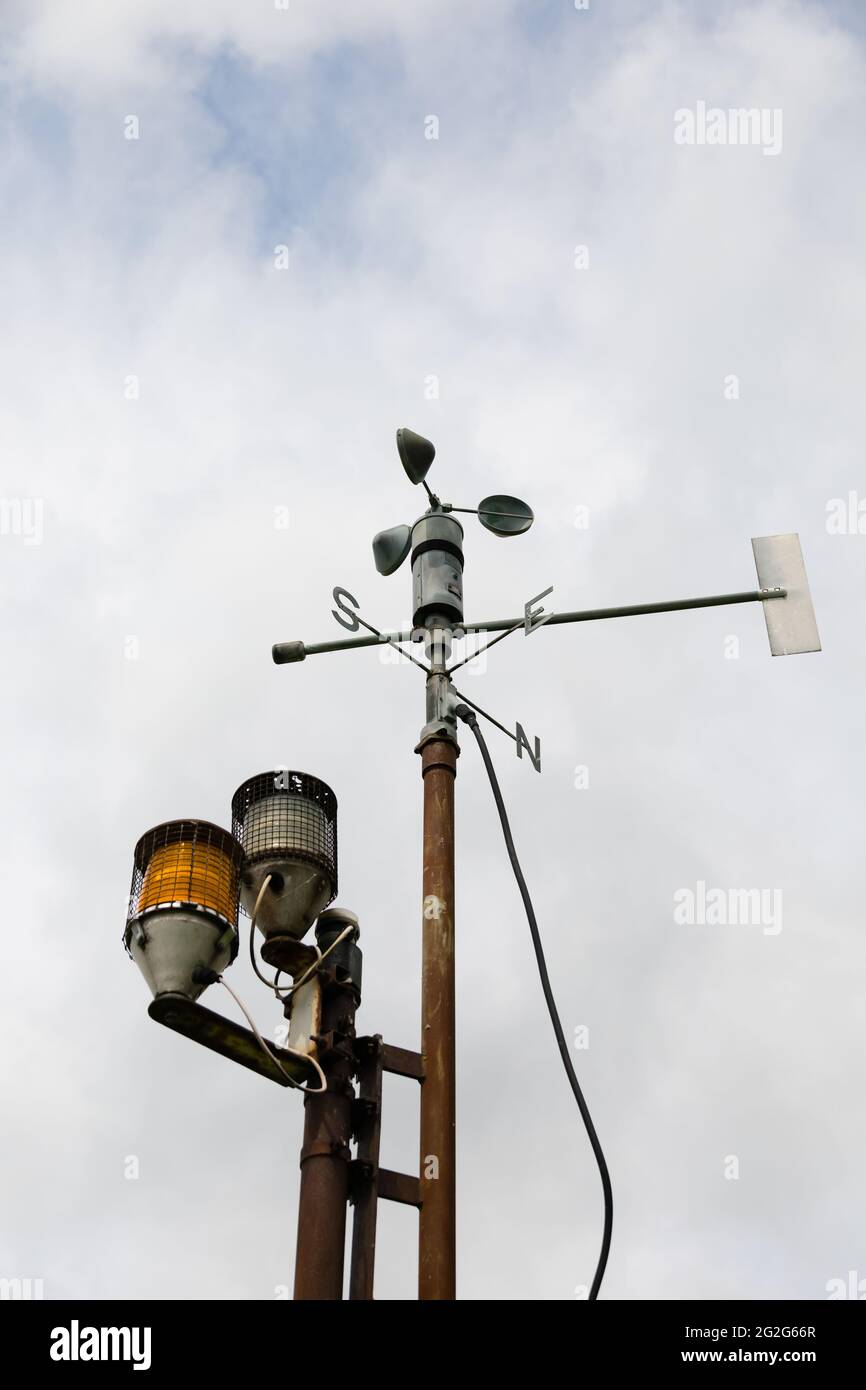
<point x="437" y="569"/>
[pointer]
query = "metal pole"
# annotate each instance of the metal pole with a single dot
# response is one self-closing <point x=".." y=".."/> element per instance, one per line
<point x="328" y="1125"/>
<point x="437" y="1235"/>
<point x="366" y="1198"/>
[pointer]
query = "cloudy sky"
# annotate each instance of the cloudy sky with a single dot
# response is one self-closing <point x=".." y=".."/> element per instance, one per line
<point x="662" y="339"/>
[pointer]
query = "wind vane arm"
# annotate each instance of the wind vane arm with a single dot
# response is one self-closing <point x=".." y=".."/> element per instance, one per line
<point x="284" y="652"/>
<point x="791" y="625"/>
<point x="348" y="617"/>
<point x="632" y="610"/>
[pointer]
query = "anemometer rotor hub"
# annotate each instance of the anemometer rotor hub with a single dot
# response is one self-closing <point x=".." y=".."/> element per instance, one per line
<point x="437" y="582"/>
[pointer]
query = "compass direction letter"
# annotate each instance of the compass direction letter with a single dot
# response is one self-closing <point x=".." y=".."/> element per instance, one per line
<point x="535" y="617"/>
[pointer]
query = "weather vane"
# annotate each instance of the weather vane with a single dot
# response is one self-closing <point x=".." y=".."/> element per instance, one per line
<point x="280" y="864"/>
<point x="436" y="545"/>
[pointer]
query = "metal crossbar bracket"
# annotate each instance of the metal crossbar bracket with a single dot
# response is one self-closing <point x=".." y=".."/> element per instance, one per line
<point x="229" y="1039"/>
<point x="368" y="1181"/>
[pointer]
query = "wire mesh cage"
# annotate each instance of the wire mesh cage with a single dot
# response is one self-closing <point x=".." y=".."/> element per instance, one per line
<point x="287" y="824"/>
<point x="189" y="863"/>
<point x="183" y="905"/>
<point x="289" y="813"/>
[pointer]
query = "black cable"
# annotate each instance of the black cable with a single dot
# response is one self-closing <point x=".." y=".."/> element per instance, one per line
<point x="463" y="712"/>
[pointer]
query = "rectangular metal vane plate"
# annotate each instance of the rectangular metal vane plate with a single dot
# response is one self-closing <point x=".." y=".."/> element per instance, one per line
<point x="791" y="625"/>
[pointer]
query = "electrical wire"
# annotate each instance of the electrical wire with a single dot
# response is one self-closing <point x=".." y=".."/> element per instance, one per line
<point x="302" y="1056"/>
<point x="483" y="712"/>
<point x="296" y="985"/>
<point x="271" y="984"/>
<point x="311" y="969"/>
<point x="463" y="712"/>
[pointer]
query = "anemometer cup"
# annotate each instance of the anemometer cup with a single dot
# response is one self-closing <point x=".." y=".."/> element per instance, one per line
<point x="416" y="454"/>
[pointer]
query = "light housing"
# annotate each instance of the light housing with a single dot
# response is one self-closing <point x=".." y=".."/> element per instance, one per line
<point x="183" y="904"/>
<point x="286" y="823"/>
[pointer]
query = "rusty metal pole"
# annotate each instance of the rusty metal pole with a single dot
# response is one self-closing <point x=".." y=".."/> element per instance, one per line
<point x="325" y="1154"/>
<point x="437" y="1252"/>
<point x="437" y="590"/>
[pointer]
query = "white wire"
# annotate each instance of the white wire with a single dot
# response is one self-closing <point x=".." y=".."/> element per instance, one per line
<point x="265" y="881"/>
<point x="322" y="955"/>
<point x="272" y="984"/>
<point x="296" y="985"/>
<point x="302" y="1056"/>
